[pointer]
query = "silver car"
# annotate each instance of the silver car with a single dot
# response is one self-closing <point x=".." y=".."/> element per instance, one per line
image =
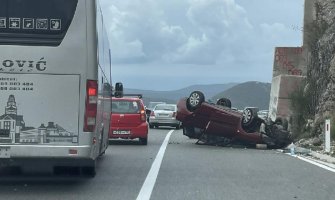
<point x="164" y="115"/>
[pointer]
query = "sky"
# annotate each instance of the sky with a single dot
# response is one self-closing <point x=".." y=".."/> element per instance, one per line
<point x="172" y="44"/>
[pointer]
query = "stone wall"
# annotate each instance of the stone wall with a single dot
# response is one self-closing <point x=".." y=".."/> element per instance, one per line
<point x="289" y="61"/>
<point x="280" y="97"/>
<point x="319" y="39"/>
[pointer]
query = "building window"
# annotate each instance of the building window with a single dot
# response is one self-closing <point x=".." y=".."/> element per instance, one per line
<point x="7" y="125"/>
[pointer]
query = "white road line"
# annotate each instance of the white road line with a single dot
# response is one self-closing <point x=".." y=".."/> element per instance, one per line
<point x="150" y="181"/>
<point x="317" y="164"/>
<point x="313" y="162"/>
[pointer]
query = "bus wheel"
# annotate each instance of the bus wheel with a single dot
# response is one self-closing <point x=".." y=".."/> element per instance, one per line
<point x="89" y="170"/>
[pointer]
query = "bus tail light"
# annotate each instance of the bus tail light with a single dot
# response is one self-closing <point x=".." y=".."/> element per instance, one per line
<point x="91" y="105"/>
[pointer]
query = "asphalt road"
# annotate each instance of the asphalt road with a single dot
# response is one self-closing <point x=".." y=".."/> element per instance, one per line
<point x="187" y="171"/>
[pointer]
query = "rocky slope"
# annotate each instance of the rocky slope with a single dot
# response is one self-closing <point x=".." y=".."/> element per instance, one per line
<point x="320" y="86"/>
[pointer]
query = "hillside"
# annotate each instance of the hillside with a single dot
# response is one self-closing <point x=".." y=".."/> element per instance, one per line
<point x="242" y="95"/>
<point x="319" y="93"/>
<point x="255" y="94"/>
<point x="174" y="95"/>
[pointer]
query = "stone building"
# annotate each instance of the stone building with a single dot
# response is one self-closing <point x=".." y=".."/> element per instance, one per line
<point x="11" y="123"/>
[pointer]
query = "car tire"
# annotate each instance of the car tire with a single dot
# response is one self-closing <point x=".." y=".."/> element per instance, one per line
<point x="144" y="141"/>
<point x="248" y="117"/>
<point x="151" y="126"/>
<point x="195" y="100"/>
<point x="178" y="126"/>
<point x="224" y="102"/>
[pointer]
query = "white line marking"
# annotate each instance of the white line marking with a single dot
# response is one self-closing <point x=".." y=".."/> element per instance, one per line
<point x="313" y="162"/>
<point x="317" y="164"/>
<point x="150" y="181"/>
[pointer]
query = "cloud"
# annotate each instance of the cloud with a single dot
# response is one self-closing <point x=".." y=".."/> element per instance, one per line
<point x="217" y="17"/>
<point x="140" y="30"/>
<point x="222" y="38"/>
<point x="219" y="24"/>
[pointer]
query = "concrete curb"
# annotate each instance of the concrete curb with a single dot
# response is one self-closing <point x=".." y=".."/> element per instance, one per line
<point x="330" y="165"/>
<point x="323" y="157"/>
<point x="307" y="153"/>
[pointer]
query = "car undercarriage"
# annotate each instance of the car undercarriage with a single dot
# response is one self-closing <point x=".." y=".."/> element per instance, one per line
<point x="218" y="124"/>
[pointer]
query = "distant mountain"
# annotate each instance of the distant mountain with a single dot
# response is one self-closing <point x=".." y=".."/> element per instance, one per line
<point x="174" y="95"/>
<point x="255" y="94"/>
<point x="241" y="95"/>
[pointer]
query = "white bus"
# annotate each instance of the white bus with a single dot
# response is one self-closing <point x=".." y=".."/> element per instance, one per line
<point x="55" y="82"/>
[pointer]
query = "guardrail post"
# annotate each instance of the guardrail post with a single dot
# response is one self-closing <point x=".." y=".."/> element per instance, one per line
<point x="327" y="136"/>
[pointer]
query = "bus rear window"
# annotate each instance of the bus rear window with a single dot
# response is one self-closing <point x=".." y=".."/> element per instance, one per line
<point x="35" y="22"/>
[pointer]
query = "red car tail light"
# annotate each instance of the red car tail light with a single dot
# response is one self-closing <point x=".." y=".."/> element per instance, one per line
<point x="143" y="116"/>
<point x="91" y="105"/>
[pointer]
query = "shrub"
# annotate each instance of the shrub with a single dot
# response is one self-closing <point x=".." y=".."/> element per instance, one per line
<point x="303" y="110"/>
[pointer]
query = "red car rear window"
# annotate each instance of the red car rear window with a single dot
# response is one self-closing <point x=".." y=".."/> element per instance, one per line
<point x="125" y="106"/>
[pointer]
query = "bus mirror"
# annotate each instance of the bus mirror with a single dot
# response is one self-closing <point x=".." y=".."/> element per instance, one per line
<point x="118" y="90"/>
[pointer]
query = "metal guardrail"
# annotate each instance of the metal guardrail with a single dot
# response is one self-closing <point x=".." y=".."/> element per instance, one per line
<point x="130" y="95"/>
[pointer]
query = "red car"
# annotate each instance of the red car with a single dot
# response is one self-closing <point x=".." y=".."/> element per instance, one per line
<point x="128" y="119"/>
<point x="219" y="124"/>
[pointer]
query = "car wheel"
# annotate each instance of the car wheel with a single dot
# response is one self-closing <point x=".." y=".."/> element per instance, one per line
<point x="195" y="100"/>
<point x="144" y="141"/>
<point x="178" y="126"/>
<point x="151" y="126"/>
<point x="224" y="102"/>
<point x="248" y="117"/>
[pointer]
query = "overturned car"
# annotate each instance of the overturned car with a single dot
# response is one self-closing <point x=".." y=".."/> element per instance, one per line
<point x="218" y="124"/>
